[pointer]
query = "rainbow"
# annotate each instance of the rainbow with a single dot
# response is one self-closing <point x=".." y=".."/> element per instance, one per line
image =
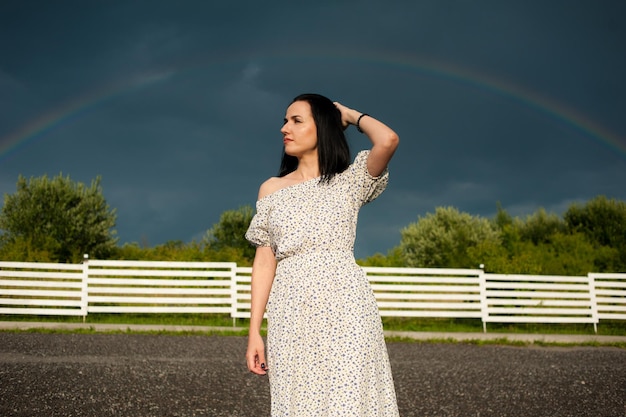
<point x="492" y="85"/>
<point x="73" y="109"/>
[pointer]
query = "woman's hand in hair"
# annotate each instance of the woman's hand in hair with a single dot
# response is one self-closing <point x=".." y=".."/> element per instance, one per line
<point x="348" y="116"/>
<point x="384" y="139"/>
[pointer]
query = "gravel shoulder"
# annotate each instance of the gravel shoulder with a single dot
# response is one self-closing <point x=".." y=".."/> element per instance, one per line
<point x="113" y="374"/>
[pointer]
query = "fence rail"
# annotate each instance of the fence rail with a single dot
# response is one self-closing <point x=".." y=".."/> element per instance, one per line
<point x="101" y="286"/>
<point x="43" y="289"/>
<point x="159" y="287"/>
<point x="539" y="299"/>
<point x="421" y="292"/>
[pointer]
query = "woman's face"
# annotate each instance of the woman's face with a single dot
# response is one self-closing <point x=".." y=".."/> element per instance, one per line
<point x="299" y="130"/>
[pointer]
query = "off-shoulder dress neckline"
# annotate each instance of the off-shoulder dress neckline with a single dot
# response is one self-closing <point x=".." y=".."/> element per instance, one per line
<point x="267" y="196"/>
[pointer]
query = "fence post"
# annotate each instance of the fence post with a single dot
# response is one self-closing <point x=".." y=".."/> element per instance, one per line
<point x="84" y="293"/>
<point x="482" y="280"/>
<point x="233" y="293"/>
<point x="593" y="300"/>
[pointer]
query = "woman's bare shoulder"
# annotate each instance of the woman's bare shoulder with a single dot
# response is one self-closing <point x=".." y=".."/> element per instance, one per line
<point x="270" y="186"/>
<point x="274" y="184"/>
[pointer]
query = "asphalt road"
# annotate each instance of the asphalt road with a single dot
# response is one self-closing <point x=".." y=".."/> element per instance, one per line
<point x="162" y="375"/>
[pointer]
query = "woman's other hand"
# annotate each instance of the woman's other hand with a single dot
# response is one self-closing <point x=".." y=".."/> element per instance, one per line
<point x="255" y="356"/>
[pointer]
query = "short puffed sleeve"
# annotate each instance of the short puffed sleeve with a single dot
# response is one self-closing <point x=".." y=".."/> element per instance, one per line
<point x="367" y="187"/>
<point x="258" y="231"/>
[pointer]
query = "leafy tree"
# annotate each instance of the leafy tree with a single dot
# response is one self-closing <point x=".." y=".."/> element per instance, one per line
<point x="56" y="219"/>
<point x="516" y="258"/>
<point x="570" y="254"/>
<point x="22" y="249"/>
<point x="546" y="244"/>
<point x="502" y="218"/>
<point x="229" y="234"/>
<point x="565" y="254"/>
<point x="603" y="221"/>
<point x="591" y="237"/>
<point x="393" y="258"/>
<point x="523" y="246"/>
<point x="540" y="227"/>
<point x="172" y="250"/>
<point x="443" y="239"/>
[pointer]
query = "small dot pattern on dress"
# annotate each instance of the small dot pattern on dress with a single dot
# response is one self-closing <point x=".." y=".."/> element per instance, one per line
<point x="325" y="347"/>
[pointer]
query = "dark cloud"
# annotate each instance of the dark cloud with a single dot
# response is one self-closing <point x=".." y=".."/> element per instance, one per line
<point x="178" y="106"/>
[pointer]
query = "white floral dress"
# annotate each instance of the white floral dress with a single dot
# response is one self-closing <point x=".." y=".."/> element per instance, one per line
<point x="326" y="352"/>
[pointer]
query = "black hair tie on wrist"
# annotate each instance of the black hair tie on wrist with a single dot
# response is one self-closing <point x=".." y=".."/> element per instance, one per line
<point x="358" y="121"/>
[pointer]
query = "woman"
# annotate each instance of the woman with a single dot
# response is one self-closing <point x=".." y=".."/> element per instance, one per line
<point x="326" y="354"/>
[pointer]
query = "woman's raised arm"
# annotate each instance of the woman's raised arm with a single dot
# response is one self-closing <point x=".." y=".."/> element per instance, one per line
<point x="384" y="139"/>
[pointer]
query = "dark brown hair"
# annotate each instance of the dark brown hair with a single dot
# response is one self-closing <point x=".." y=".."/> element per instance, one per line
<point x="333" y="150"/>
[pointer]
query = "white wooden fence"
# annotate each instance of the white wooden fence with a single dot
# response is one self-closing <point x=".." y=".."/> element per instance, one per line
<point x="421" y="292"/>
<point x="539" y="299"/>
<point x="159" y="287"/>
<point x="98" y="286"/>
<point x="43" y="288"/>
